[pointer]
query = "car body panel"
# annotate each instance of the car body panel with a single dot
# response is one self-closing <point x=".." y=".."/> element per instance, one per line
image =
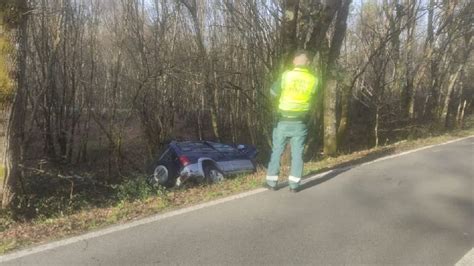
<point x="228" y="159"/>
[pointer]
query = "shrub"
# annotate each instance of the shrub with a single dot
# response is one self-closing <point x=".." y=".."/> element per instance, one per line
<point x="136" y="188"/>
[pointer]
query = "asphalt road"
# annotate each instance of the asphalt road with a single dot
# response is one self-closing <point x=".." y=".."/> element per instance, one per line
<point x="414" y="209"/>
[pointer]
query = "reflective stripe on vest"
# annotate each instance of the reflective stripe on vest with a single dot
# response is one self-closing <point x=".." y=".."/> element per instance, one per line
<point x="297" y="88"/>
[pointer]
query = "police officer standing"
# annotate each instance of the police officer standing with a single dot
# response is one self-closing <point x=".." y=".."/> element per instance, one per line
<point x="294" y="91"/>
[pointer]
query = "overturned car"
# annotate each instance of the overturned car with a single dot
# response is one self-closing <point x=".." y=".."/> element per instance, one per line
<point x="201" y="161"/>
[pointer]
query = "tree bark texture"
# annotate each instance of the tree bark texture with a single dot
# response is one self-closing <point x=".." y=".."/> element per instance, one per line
<point x="15" y="128"/>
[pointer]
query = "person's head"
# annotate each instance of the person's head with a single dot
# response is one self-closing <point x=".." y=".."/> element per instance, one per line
<point x="301" y="58"/>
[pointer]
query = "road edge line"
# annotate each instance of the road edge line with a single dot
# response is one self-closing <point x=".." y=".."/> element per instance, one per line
<point x="467" y="259"/>
<point x="415" y="150"/>
<point x="121" y="227"/>
<point x="158" y="217"/>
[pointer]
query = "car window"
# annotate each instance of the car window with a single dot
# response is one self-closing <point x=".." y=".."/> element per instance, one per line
<point x="167" y="155"/>
<point x="194" y="147"/>
<point x="222" y="147"/>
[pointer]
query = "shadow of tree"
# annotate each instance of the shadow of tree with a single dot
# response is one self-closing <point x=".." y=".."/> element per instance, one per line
<point x="367" y="158"/>
<point x="326" y="177"/>
<point x="338" y="169"/>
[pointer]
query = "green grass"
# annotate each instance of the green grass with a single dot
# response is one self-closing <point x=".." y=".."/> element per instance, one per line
<point x="7" y="245"/>
<point x="133" y="199"/>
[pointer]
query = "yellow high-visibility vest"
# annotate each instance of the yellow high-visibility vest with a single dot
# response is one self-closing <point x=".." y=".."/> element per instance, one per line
<point x="297" y="88"/>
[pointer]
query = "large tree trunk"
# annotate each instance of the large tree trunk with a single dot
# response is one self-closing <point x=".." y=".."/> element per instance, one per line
<point x="13" y="153"/>
<point x="330" y="119"/>
<point x="330" y="134"/>
<point x="452" y="82"/>
<point x="343" y="125"/>
<point x="289" y="42"/>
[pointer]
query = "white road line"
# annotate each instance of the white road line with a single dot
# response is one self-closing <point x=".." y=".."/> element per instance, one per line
<point x="415" y="150"/>
<point x="158" y="217"/>
<point x="121" y="227"/>
<point x="467" y="260"/>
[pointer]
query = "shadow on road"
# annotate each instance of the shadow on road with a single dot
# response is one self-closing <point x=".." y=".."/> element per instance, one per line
<point x="332" y="174"/>
<point x="341" y="168"/>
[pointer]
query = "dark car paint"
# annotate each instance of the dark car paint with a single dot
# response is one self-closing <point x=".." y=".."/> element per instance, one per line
<point x="216" y="153"/>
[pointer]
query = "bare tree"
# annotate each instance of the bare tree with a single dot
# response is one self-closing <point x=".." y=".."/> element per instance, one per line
<point x="110" y="82"/>
<point x="14" y="17"/>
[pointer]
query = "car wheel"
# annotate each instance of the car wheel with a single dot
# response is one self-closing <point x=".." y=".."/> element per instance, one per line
<point x="162" y="176"/>
<point x="212" y="174"/>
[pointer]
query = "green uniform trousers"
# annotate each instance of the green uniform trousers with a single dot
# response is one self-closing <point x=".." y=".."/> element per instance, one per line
<point x="295" y="132"/>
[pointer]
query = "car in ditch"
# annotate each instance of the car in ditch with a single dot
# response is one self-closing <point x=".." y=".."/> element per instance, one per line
<point x="201" y="162"/>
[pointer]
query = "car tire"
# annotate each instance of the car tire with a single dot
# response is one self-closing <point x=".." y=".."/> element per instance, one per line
<point x="162" y="175"/>
<point x="212" y="174"/>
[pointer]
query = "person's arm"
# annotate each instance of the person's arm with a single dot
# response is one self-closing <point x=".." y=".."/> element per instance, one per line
<point x="275" y="90"/>
<point x="315" y="94"/>
<point x="315" y="88"/>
